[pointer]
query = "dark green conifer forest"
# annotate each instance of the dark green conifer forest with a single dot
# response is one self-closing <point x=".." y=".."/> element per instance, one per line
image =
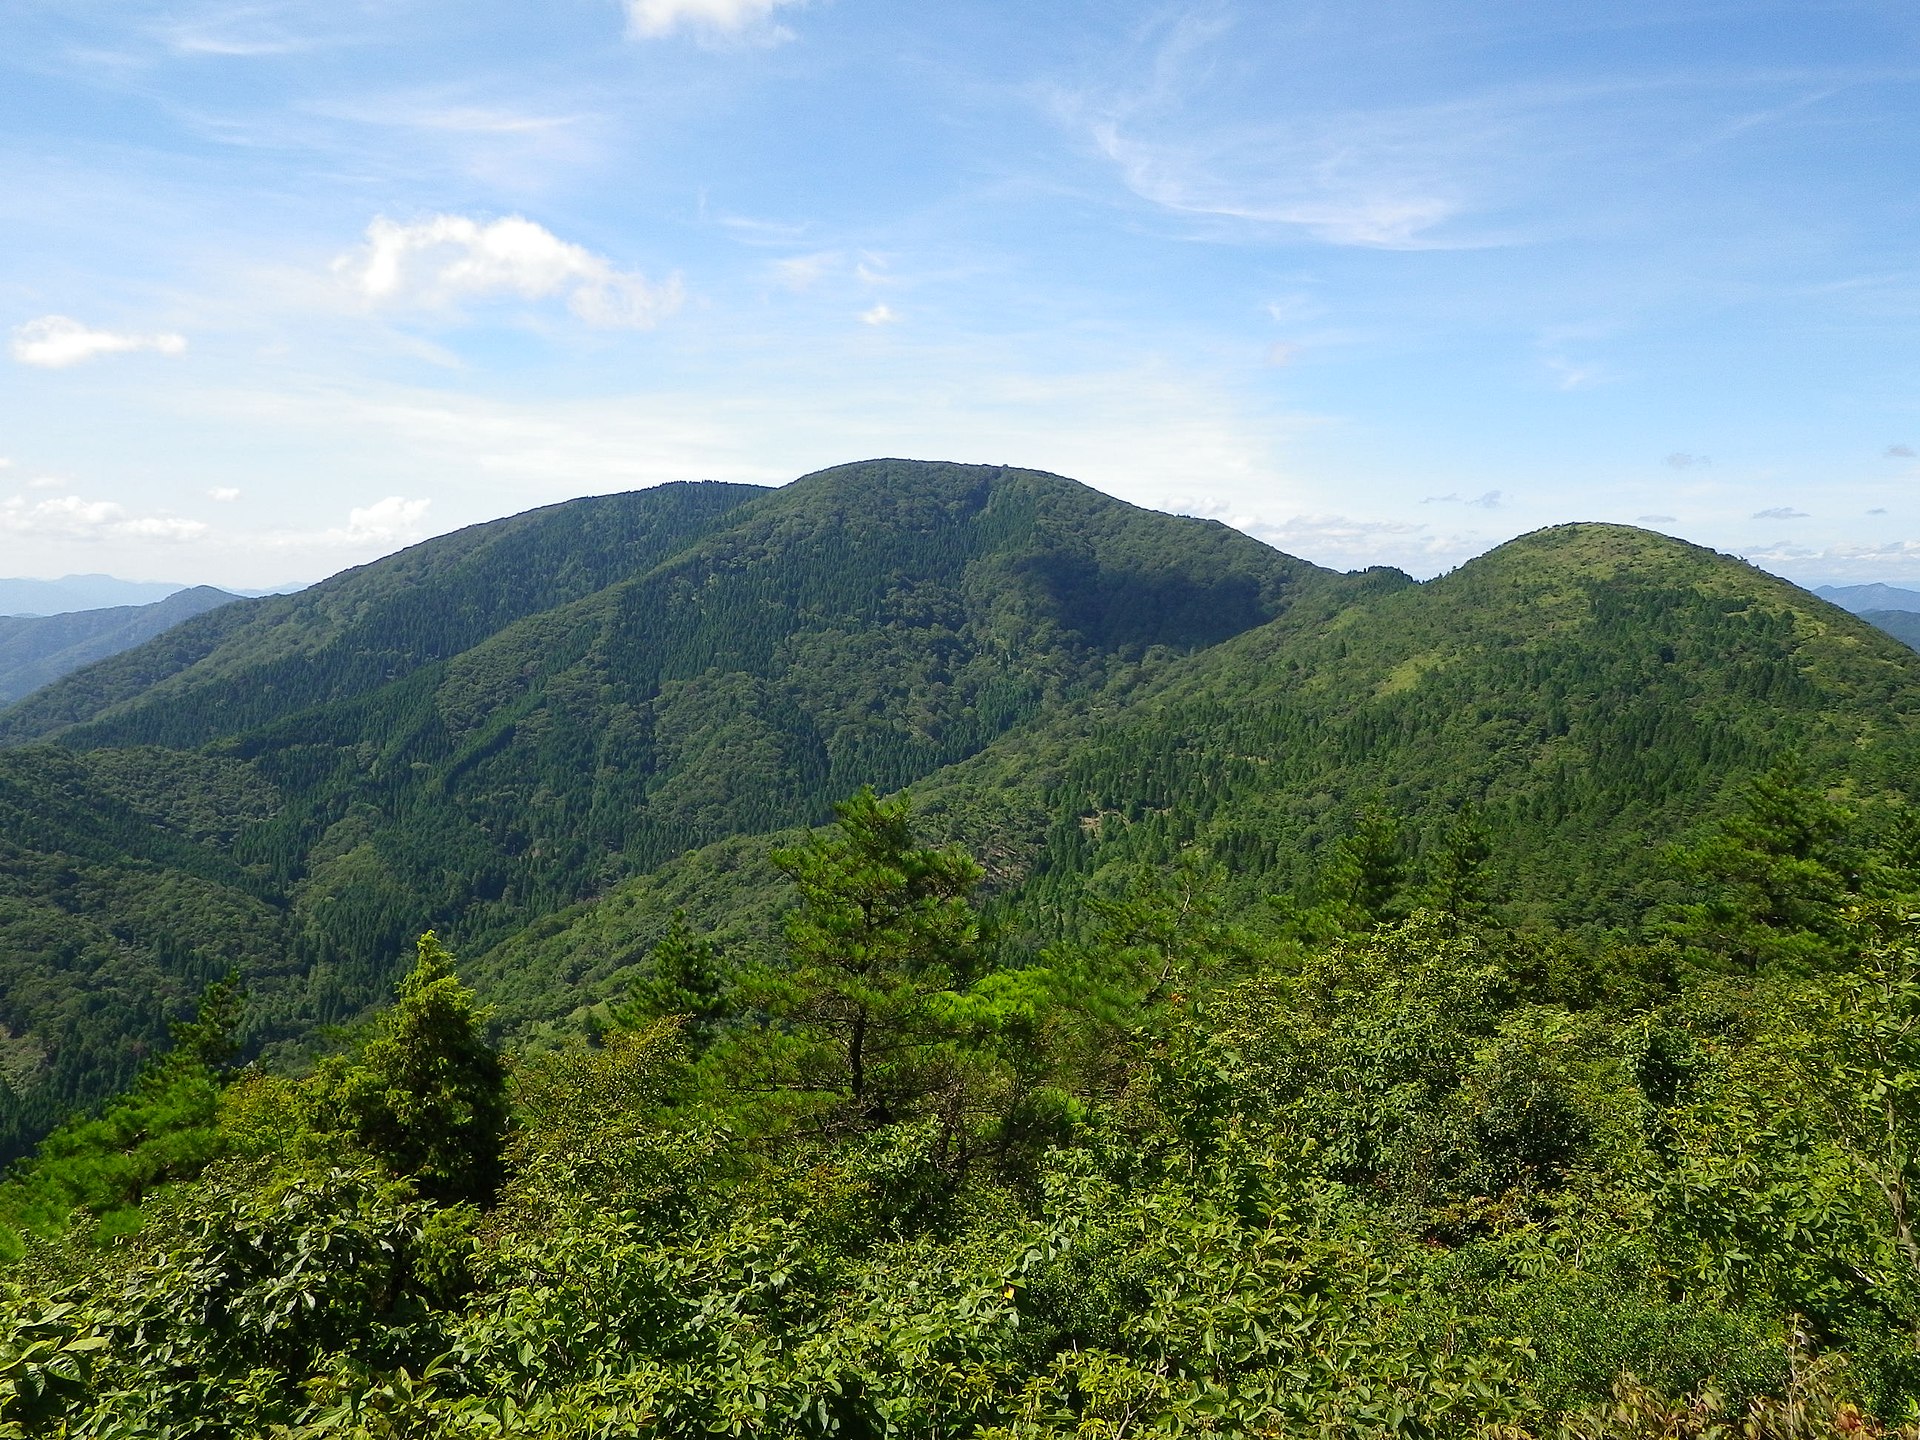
<point x="933" y="951"/>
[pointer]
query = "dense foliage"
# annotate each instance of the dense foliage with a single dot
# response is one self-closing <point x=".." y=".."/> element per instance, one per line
<point x="1295" y="1003"/>
<point x="1423" y="1176"/>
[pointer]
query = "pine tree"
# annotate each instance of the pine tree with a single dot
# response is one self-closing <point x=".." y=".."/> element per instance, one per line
<point x="1779" y="874"/>
<point x="884" y="928"/>
<point x="428" y="1095"/>
<point x="1369" y="870"/>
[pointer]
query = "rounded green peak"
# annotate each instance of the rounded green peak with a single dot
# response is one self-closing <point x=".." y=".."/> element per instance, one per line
<point x="1596" y="550"/>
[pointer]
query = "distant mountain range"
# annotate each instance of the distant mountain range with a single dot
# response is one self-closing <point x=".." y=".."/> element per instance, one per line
<point x="37" y="650"/>
<point x="1861" y="599"/>
<point x="71" y="593"/>
<point x="543" y="734"/>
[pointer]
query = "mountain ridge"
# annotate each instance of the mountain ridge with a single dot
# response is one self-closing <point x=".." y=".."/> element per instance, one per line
<point x="1582" y="687"/>
<point x="37" y="650"/>
<point x="760" y="654"/>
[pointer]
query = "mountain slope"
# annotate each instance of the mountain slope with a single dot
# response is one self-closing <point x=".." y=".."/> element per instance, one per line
<point x="1903" y="625"/>
<point x="868" y="624"/>
<point x="486" y="728"/>
<point x="1594" y="690"/>
<point x="37" y="650"/>
<point x="110" y="924"/>
<point x="252" y="663"/>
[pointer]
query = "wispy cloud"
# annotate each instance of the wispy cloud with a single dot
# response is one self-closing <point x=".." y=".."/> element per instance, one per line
<point x="447" y="258"/>
<point x="225" y="494"/>
<point x="1654" y="519"/>
<point x="1685" y="460"/>
<point x="1575" y="375"/>
<point x="1490" y="500"/>
<point x="1309" y="179"/>
<point x="1780" y="512"/>
<point x="1347" y="541"/>
<point x="803" y="272"/>
<point x="1899" y="452"/>
<point x="260" y="28"/>
<point x="1882" y="561"/>
<point x="72" y="518"/>
<point x="54" y="342"/>
<point x="1392" y="178"/>
<point x="750" y="20"/>
<point x="879" y="315"/>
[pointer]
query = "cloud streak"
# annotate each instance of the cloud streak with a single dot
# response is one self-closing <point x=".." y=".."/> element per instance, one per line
<point x="55" y="342"/>
<point x="73" y="518"/>
<point x="711" y="19"/>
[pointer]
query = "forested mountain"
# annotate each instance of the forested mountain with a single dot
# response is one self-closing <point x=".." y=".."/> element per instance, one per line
<point x="1280" y="1002"/>
<point x="1862" y="598"/>
<point x="36" y="650"/>
<point x="111" y="924"/>
<point x="501" y="722"/>
<point x="1588" y="694"/>
<point x="1901" y="624"/>
<point x="284" y="654"/>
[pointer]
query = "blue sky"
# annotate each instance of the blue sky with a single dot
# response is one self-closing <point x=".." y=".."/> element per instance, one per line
<point x="288" y="285"/>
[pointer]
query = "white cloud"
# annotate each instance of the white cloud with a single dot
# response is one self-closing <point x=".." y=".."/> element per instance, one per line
<point x="1348" y="541"/>
<point x="1574" y="375"/>
<point x="46" y="482"/>
<point x="383" y="522"/>
<point x="803" y="272"/>
<point x="223" y="493"/>
<point x="446" y="258"/>
<point x="1892" y="560"/>
<point x="72" y="518"/>
<point x="879" y="315"/>
<point x="1780" y="512"/>
<point x="739" y="19"/>
<point x="56" y="341"/>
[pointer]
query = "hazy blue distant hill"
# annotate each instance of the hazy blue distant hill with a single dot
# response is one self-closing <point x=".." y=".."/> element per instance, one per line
<point x="37" y="650"/>
<point x="1901" y="624"/>
<point x="1862" y="598"/>
<point x="79" y="592"/>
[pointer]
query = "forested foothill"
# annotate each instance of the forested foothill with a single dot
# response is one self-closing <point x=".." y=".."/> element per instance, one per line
<point x="944" y="953"/>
